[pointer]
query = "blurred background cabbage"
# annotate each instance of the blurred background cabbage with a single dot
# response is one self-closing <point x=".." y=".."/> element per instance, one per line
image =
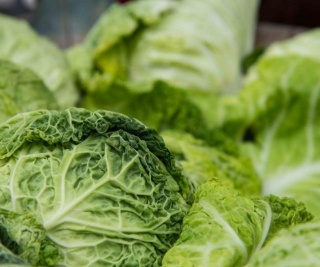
<point x="67" y="21"/>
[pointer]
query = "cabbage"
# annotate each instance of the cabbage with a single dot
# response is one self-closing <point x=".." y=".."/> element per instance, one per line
<point x="201" y="162"/>
<point x="225" y="228"/>
<point x="22" y="235"/>
<point x="294" y="247"/>
<point x="104" y="187"/>
<point x="20" y="44"/>
<point x="274" y="119"/>
<point x="22" y="90"/>
<point x="282" y="100"/>
<point x="151" y="59"/>
<point x="176" y="42"/>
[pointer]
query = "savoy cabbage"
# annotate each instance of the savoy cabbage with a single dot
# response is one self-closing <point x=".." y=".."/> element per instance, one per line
<point x="104" y="187"/>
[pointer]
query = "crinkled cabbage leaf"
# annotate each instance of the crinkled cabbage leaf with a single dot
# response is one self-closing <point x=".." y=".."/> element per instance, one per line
<point x="103" y="186"/>
<point x="225" y="228"/>
<point x="23" y="241"/>
<point x="22" y="45"/>
<point x="21" y="90"/>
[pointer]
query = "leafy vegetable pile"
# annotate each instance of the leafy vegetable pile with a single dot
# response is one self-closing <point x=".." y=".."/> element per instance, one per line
<point x="163" y="139"/>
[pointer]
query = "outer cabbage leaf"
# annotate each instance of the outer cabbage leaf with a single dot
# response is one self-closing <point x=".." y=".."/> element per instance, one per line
<point x="23" y="238"/>
<point x="21" y="90"/>
<point x="165" y="107"/>
<point x="294" y="247"/>
<point x="234" y="114"/>
<point x="23" y="46"/>
<point x="175" y="42"/>
<point x="275" y="117"/>
<point x="103" y="186"/>
<point x="169" y="57"/>
<point x="226" y="228"/>
<point x="201" y="162"/>
<point x="176" y="110"/>
<point x="305" y="44"/>
<point x="286" y="212"/>
<point x="282" y="97"/>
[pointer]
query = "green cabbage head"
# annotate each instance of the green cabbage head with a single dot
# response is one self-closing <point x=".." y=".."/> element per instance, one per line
<point x="21" y="45"/>
<point x="104" y="187"/>
<point x="282" y="99"/>
<point x="22" y="90"/>
<point x="165" y="62"/>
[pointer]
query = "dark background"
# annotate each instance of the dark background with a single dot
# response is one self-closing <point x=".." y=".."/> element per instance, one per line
<point x="305" y="13"/>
